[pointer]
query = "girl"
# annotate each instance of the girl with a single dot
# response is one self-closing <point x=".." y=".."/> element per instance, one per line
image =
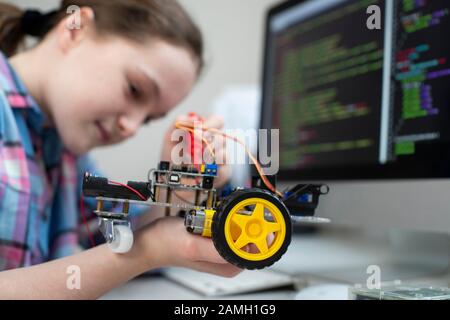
<point x="89" y="82"/>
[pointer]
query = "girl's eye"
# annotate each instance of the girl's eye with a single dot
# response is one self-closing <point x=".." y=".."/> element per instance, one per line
<point x="134" y="91"/>
<point x="147" y="120"/>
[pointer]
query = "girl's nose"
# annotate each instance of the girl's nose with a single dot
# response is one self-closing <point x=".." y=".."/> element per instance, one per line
<point x="128" y="126"/>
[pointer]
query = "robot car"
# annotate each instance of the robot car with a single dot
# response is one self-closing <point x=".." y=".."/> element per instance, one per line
<point x="251" y="228"/>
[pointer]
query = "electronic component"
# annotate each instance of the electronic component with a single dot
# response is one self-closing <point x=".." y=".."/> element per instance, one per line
<point x="400" y="292"/>
<point x="174" y="178"/>
<point x="100" y="187"/>
<point x="209" y="169"/>
<point x="184" y="168"/>
<point x="199" y="221"/>
<point x="164" y="165"/>
<point x="303" y="199"/>
<point x="207" y="182"/>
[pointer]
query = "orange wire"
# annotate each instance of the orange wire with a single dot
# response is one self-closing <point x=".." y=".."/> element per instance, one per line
<point x="208" y="145"/>
<point x="186" y="126"/>
<point x="252" y="157"/>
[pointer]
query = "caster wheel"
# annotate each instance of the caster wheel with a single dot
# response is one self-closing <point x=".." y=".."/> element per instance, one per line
<point x="252" y="229"/>
<point x="123" y="239"/>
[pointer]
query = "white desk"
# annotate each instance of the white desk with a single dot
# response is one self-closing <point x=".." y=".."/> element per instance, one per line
<point x="318" y="258"/>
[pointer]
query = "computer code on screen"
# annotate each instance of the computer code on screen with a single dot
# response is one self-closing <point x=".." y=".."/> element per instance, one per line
<point x="421" y="75"/>
<point x="322" y="117"/>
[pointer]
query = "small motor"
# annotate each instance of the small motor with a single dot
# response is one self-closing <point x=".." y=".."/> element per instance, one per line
<point x="199" y="222"/>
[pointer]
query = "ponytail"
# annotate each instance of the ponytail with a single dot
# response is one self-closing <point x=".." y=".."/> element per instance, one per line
<point x="11" y="33"/>
<point x="15" y="24"/>
<point x="132" y="19"/>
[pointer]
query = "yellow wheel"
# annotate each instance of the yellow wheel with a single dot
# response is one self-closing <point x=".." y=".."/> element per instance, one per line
<point x="252" y="229"/>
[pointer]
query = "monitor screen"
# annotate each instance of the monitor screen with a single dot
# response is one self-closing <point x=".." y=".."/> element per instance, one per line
<point x="358" y="93"/>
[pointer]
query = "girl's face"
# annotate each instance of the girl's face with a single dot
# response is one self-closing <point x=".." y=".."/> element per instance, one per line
<point x="104" y="90"/>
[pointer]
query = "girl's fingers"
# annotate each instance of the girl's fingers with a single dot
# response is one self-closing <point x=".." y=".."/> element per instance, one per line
<point x="214" y="121"/>
<point x="206" y="252"/>
<point x="182" y="118"/>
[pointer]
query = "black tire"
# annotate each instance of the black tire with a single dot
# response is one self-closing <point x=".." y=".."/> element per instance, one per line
<point x="218" y="228"/>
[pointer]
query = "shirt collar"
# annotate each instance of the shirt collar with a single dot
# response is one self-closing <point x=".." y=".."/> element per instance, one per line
<point x="19" y="97"/>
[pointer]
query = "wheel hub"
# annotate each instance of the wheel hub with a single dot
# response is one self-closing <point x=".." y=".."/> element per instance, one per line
<point x="254" y="229"/>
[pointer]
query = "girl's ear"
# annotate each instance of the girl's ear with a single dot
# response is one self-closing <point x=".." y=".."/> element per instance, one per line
<point x="75" y="27"/>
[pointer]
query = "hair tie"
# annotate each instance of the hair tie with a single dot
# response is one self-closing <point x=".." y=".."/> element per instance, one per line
<point x="35" y="23"/>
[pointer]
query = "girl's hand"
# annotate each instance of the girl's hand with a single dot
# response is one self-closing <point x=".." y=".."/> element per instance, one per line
<point x="167" y="243"/>
<point x="219" y="147"/>
<point x="163" y="243"/>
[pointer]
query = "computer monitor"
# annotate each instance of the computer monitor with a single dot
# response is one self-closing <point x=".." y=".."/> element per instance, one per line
<point x="363" y="108"/>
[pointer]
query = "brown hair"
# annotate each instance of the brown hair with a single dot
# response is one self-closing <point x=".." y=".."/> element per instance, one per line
<point x="133" y="19"/>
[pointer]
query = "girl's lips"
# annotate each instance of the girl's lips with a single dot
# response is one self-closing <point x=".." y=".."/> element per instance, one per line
<point x="103" y="133"/>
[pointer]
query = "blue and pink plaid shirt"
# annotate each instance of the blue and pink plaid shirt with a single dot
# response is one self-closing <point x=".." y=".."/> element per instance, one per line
<point x="40" y="182"/>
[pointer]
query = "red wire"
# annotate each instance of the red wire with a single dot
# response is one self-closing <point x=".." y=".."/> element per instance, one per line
<point x="83" y="215"/>
<point x="130" y="188"/>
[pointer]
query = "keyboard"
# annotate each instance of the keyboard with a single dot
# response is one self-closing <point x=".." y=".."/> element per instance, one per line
<point x="245" y="282"/>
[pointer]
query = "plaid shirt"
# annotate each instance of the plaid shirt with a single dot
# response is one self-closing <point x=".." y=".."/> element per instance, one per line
<point x="40" y="182"/>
